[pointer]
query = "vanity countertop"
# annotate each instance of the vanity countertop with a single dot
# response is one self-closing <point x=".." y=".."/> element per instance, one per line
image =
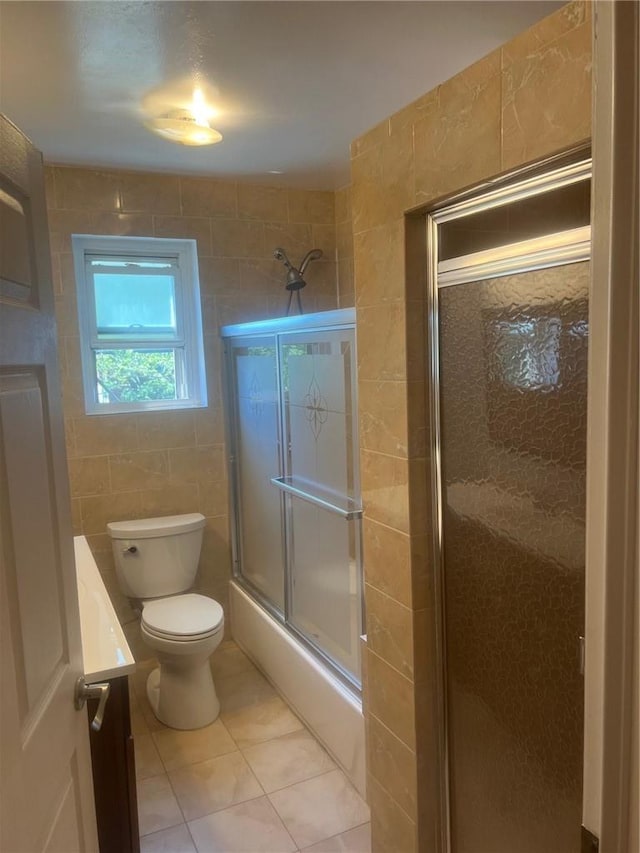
<point x="104" y="647"/>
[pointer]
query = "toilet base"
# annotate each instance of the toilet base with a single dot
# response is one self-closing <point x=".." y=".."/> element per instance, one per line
<point x="183" y="697"/>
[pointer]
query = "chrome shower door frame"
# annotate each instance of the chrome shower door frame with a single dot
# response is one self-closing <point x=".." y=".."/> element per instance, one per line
<point x="538" y="253"/>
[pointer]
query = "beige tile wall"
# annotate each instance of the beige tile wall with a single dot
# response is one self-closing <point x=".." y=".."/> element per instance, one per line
<point x="522" y="102"/>
<point x="132" y="466"/>
<point x="344" y="247"/>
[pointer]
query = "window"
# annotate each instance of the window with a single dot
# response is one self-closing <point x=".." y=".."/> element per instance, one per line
<point x="140" y="324"/>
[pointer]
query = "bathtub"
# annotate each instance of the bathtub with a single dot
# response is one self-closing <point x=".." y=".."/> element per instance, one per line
<point x="325" y="705"/>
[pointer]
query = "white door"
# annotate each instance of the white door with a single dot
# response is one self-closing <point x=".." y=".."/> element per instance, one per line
<point x="46" y="791"/>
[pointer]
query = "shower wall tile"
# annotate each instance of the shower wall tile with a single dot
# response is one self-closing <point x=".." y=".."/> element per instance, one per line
<point x="262" y="202"/>
<point x="209" y="423"/>
<point x="147" y="469"/>
<point x="197" y="464"/>
<point x="381" y="341"/>
<point x="524" y="101"/>
<point x="388" y="560"/>
<point x="378" y="134"/>
<point x="314" y="206"/>
<point x="555" y="26"/>
<point x="145" y="193"/>
<point x="392" y="701"/>
<point x="196" y="228"/>
<point x="173" y="500"/>
<point x="158" y="430"/>
<point x="89" y="476"/>
<point x="410" y="115"/>
<point x="546" y="97"/>
<point x="344" y="247"/>
<point x="238" y="238"/>
<point x="64" y="223"/>
<point x="382" y="407"/>
<point x="87" y="189"/>
<point x="384" y="489"/>
<point x="104" y="434"/>
<point x="295" y="239"/>
<point x="207" y="197"/>
<point x="379" y="256"/>
<point x="259" y="275"/>
<point x="346" y="290"/>
<point x="344" y="239"/>
<point x="367" y="205"/>
<point x="389" y="630"/>
<point x="214" y="498"/>
<point x="166" y="463"/>
<point x="459" y="144"/>
<point x="100" y="509"/>
<point x="324" y="237"/>
<point x="342" y="207"/>
<point x="389" y="758"/>
<point x="392" y="830"/>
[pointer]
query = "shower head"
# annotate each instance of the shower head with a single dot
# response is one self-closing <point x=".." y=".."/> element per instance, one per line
<point x="295" y="280"/>
<point x="281" y="255"/>
<point x="313" y="255"/>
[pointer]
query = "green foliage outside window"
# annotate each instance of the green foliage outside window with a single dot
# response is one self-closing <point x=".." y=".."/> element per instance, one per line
<point x="129" y="375"/>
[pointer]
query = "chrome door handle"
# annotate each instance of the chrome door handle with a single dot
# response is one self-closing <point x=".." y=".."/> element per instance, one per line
<point x="86" y="691"/>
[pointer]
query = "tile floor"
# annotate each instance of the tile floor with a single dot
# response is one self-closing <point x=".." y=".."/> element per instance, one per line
<point x="255" y="781"/>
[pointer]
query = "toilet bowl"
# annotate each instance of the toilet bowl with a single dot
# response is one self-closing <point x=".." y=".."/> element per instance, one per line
<point x="156" y="562"/>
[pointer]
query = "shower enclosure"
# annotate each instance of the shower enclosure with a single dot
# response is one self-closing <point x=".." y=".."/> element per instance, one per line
<point x="509" y="329"/>
<point x="291" y="392"/>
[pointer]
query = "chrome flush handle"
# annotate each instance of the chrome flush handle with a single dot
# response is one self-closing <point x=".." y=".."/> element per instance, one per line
<point x="130" y="550"/>
<point x="86" y="691"/>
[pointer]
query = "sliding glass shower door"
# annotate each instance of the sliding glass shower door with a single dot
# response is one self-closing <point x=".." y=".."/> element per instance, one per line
<point x="255" y="456"/>
<point x="295" y="477"/>
<point x="325" y="601"/>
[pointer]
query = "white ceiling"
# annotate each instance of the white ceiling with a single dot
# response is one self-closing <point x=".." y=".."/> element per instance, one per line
<point x="295" y="82"/>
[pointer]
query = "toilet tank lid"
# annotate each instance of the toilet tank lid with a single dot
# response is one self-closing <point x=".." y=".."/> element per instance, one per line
<point x="148" y="528"/>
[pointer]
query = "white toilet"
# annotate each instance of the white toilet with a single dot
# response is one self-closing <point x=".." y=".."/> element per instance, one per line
<point x="156" y="561"/>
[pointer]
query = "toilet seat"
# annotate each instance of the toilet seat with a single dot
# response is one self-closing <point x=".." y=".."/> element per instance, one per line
<point x="182" y="618"/>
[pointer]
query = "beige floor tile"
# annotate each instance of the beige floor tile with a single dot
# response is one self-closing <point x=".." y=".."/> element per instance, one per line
<point x="138" y="723"/>
<point x="213" y="785"/>
<point x="157" y="805"/>
<point x="252" y="827"/>
<point x="259" y="722"/>
<point x="181" y="748"/>
<point x="174" y="840"/>
<point x="288" y="759"/>
<point x="243" y="690"/>
<point x="356" y="840"/>
<point x="147" y="759"/>
<point x="229" y="660"/>
<point x="320" y="808"/>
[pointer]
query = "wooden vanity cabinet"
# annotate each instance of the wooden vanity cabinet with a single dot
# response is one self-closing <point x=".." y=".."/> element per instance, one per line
<point x="114" y="773"/>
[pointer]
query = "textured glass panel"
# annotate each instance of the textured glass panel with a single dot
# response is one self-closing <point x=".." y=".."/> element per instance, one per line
<point x="326" y="596"/>
<point x="513" y="417"/>
<point x="257" y="459"/>
<point x="317" y="385"/>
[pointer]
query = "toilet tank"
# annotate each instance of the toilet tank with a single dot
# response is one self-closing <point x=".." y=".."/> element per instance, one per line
<point x="155" y="557"/>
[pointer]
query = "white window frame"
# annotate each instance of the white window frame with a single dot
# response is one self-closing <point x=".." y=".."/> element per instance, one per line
<point x="190" y="367"/>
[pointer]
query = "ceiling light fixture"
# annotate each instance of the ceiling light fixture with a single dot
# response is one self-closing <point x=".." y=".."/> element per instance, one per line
<point x="187" y="126"/>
